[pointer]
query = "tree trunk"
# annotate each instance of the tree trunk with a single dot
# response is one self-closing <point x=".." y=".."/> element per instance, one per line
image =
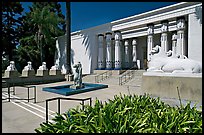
<point x="40" y="38"/>
<point x="10" y="49"/>
<point x="68" y="37"/>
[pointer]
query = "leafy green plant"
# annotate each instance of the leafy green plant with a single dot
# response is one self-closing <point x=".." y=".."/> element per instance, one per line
<point x="127" y="114"/>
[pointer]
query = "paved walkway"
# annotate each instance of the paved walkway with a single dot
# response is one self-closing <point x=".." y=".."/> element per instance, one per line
<point x="19" y="116"/>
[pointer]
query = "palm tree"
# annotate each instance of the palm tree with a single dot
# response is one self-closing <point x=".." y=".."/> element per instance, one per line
<point x="68" y="37"/>
<point x="46" y="23"/>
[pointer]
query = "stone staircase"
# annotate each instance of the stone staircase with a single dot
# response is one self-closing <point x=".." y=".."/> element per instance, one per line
<point x="114" y="79"/>
<point x="136" y="80"/>
<point x="89" y="78"/>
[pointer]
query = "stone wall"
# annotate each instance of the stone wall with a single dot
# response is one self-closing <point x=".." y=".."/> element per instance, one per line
<point x="165" y="85"/>
<point x="21" y="80"/>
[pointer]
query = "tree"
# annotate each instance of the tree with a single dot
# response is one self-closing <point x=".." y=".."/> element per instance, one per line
<point x="28" y="49"/>
<point x="40" y="26"/>
<point x="68" y="37"/>
<point x="56" y="8"/>
<point x="11" y="19"/>
<point x="46" y="23"/>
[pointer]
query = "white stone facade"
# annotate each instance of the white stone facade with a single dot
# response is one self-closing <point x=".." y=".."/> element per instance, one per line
<point x="176" y="28"/>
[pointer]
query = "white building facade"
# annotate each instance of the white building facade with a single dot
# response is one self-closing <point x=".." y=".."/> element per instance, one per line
<point x="126" y="43"/>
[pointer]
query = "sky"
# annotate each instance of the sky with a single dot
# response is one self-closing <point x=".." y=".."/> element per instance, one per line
<point x="89" y="14"/>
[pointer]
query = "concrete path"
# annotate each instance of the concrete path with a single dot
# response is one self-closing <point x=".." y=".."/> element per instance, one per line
<point x="19" y="116"/>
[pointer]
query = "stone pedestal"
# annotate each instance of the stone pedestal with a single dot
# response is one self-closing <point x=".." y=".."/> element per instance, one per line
<point x="77" y="87"/>
<point x="165" y="85"/>
<point x="27" y="73"/>
<point x="10" y="74"/>
<point x="42" y="72"/>
<point x="55" y="72"/>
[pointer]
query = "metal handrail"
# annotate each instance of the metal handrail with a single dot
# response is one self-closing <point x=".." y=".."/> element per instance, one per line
<point x="127" y="76"/>
<point x="9" y="85"/>
<point x="58" y="98"/>
<point x="103" y="76"/>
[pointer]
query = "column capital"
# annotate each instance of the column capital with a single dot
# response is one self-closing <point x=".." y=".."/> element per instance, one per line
<point x="150" y="29"/>
<point x="164" y="27"/>
<point x="100" y="38"/>
<point x="118" y="35"/>
<point x="108" y="36"/>
<point x="126" y="42"/>
<point x="134" y="42"/>
<point x="108" y="33"/>
<point x="174" y="37"/>
<point x="180" y="24"/>
<point x="117" y="31"/>
<point x="100" y="34"/>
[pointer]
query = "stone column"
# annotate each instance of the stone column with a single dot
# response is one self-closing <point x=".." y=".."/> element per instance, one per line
<point x="108" y="51"/>
<point x="174" y="38"/>
<point x="127" y="56"/>
<point x="181" y="46"/>
<point x="118" y="60"/>
<point x="134" y="53"/>
<point x="164" y="40"/>
<point x="101" y="61"/>
<point x="150" y="43"/>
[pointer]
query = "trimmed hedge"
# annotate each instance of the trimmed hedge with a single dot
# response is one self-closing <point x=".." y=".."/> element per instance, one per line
<point x="127" y="114"/>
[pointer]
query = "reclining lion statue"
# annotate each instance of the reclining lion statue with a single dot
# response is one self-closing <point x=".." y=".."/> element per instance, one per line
<point x="164" y="62"/>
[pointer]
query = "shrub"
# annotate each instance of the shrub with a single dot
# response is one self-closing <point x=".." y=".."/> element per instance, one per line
<point x="127" y="114"/>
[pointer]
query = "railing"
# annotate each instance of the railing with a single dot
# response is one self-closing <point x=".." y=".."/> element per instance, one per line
<point x="103" y="76"/>
<point x="126" y="76"/>
<point x="9" y="85"/>
<point x="58" y="98"/>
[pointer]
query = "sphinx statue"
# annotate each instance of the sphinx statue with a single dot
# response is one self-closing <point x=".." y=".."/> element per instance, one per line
<point x="11" y="70"/>
<point x="161" y="61"/>
<point x="55" y="67"/>
<point x="55" y="70"/>
<point x="11" y="67"/>
<point x="43" y="66"/>
<point x="28" y="70"/>
<point x="28" y="67"/>
<point x="42" y="70"/>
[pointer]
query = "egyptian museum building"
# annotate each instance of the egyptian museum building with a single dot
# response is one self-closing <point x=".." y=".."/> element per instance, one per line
<point x="126" y="43"/>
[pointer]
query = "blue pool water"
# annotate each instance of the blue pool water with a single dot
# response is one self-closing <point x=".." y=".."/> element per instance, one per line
<point x="66" y="90"/>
